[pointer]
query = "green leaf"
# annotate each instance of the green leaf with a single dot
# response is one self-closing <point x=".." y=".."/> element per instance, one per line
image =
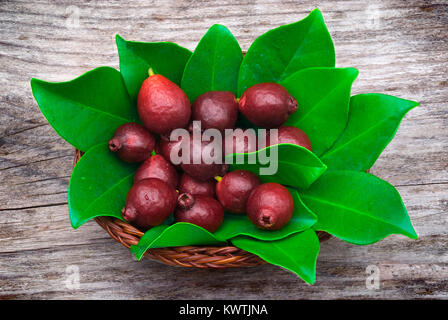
<point x="144" y="242"/>
<point x="185" y="234"/>
<point x="178" y="234"/>
<point x="214" y="64"/>
<point x="297" y="253"/>
<point x="280" y="52"/>
<point x="98" y="186"/>
<point x="323" y="95"/>
<point x="239" y="224"/>
<point x="87" y="110"/>
<point x="296" y="166"/>
<point x="357" y="207"/>
<point x="166" y="58"/>
<point x="372" y="123"/>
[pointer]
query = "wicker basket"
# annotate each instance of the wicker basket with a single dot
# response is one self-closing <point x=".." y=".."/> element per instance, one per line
<point x="189" y="256"/>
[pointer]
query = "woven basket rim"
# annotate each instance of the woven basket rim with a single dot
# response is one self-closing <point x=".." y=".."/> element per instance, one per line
<point x="216" y="257"/>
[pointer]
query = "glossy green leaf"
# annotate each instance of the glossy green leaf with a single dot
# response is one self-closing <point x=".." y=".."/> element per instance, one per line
<point x="239" y="224"/>
<point x="145" y="241"/>
<point x="87" y="110"/>
<point x="357" y="207"/>
<point x="178" y="234"/>
<point x="166" y="58"/>
<point x="214" y="65"/>
<point x="281" y="52"/>
<point x="372" y="123"/>
<point x="297" y="253"/>
<point x="296" y="166"/>
<point x="323" y="95"/>
<point x="98" y="186"/>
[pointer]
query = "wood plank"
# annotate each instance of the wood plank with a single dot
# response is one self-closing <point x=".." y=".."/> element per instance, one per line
<point x="19" y="228"/>
<point x="408" y="269"/>
<point x="108" y="271"/>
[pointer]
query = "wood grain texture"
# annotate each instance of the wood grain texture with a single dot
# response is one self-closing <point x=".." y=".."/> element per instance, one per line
<point x="399" y="47"/>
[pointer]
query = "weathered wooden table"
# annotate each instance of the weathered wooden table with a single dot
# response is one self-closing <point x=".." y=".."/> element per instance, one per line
<point x="399" y="47"/>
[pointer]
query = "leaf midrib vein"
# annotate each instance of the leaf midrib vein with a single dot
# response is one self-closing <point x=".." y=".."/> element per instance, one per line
<point x="337" y="205"/>
<point x="357" y="137"/>
<point x="108" y="190"/>
<point x="94" y="109"/>
<point x="320" y="101"/>
<point x="213" y="84"/>
<point x="299" y="46"/>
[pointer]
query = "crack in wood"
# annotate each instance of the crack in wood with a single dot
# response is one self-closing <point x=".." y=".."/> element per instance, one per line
<point x="36" y="206"/>
<point x="23" y="130"/>
<point x="37" y="161"/>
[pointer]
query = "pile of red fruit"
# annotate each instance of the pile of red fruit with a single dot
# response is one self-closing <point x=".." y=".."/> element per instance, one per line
<point x="199" y="193"/>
